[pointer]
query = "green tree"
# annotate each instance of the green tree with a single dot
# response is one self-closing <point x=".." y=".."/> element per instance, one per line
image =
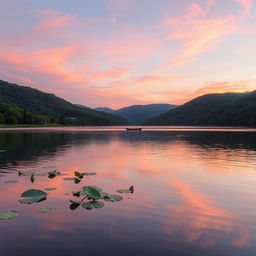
<point x="11" y="119"/>
<point x="2" y="119"/>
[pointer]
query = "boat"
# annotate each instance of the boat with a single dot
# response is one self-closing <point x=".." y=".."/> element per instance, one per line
<point x="133" y="129"/>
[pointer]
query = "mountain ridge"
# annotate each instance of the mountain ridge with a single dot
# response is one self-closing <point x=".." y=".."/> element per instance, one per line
<point x="220" y="109"/>
<point x="18" y="99"/>
<point x="136" y="114"/>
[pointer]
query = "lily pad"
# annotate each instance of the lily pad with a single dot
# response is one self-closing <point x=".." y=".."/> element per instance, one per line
<point x="77" y="194"/>
<point x="91" y="192"/>
<point x="89" y="173"/>
<point x="53" y="174"/>
<point x="79" y="175"/>
<point x="8" y="215"/>
<point x="112" y="198"/>
<point x="74" y="204"/>
<point x="32" y="177"/>
<point x="50" y="189"/>
<point x="45" y="210"/>
<point x="76" y="180"/>
<point x="34" y="193"/>
<point x="98" y="188"/>
<point x="129" y="190"/>
<point x="92" y="204"/>
<point x="10" y="181"/>
<point x="24" y="173"/>
<point x="32" y="200"/>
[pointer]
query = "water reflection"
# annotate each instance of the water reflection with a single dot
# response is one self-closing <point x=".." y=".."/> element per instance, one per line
<point x="194" y="192"/>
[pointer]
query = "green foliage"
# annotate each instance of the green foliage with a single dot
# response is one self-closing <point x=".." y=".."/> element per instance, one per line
<point x="11" y="119"/>
<point x="93" y="195"/>
<point x="45" y="210"/>
<point x="8" y="215"/>
<point x="91" y="192"/>
<point x="53" y="174"/>
<point x="227" y="109"/>
<point x="34" y="193"/>
<point x="129" y="190"/>
<point x="92" y="204"/>
<point x="33" y="196"/>
<point x="2" y="119"/>
<point x="30" y="106"/>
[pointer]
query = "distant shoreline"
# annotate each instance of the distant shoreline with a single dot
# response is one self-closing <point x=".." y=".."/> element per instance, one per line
<point x="61" y="128"/>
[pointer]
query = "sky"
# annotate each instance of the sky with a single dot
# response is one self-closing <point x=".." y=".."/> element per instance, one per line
<point x="116" y="53"/>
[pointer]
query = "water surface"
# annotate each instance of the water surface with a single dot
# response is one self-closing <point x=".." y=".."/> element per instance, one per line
<point x="194" y="191"/>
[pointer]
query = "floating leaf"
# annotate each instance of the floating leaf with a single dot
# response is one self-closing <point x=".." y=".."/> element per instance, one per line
<point x="10" y="181"/>
<point x="91" y="192"/>
<point x="53" y="174"/>
<point x="77" y="194"/>
<point x="49" y="189"/>
<point x="99" y="189"/>
<point x="32" y="177"/>
<point x="74" y="204"/>
<point x="92" y="204"/>
<point x="45" y="210"/>
<point x="89" y="173"/>
<point x="76" y="180"/>
<point x="24" y="173"/>
<point x="79" y="175"/>
<point x="34" y="193"/>
<point x="103" y="194"/>
<point x="129" y="190"/>
<point x="8" y="215"/>
<point x="112" y="198"/>
<point x="32" y="200"/>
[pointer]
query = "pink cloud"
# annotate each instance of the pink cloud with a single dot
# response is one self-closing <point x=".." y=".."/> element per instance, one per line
<point x="112" y="73"/>
<point x="198" y="35"/>
<point x="246" y="5"/>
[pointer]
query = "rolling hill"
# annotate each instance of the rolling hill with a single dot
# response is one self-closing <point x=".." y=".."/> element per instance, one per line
<point x="137" y="114"/>
<point x="226" y="109"/>
<point x="21" y="104"/>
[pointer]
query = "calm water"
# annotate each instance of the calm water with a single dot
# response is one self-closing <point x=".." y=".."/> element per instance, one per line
<point x="195" y="192"/>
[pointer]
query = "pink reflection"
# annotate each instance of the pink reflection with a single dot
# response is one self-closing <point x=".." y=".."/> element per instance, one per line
<point x="199" y="219"/>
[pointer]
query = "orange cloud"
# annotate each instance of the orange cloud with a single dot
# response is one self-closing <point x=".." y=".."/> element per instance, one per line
<point x="221" y="87"/>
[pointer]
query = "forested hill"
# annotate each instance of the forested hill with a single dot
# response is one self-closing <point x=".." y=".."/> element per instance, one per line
<point x="226" y="109"/>
<point x="137" y="114"/>
<point x="20" y="104"/>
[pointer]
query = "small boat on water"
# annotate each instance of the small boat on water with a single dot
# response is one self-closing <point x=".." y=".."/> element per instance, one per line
<point x="133" y="129"/>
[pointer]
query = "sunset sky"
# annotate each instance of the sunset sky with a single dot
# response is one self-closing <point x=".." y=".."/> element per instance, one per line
<point x="117" y="53"/>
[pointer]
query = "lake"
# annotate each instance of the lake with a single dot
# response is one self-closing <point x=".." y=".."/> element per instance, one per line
<point x="194" y="191"/>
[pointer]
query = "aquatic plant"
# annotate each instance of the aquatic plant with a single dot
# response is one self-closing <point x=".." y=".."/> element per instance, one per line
<point x="92" y="197"/>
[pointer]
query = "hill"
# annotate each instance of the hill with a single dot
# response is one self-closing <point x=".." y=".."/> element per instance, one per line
<point x="21" y="104"/>
<point x="137" y="114"/>
<point x="226" y="109"/>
